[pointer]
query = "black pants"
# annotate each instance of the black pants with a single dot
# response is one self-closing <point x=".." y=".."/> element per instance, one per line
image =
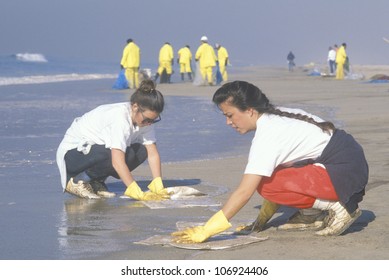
<point x="97" y="164"/>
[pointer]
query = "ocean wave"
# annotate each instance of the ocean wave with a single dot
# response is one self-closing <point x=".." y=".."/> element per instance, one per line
<point x="31" y="57"/>
<point x="6" y="81"/>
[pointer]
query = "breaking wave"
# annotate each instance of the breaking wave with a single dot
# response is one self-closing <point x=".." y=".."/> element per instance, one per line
<point x="5" y="81"/>
<point x="31" y="57"/>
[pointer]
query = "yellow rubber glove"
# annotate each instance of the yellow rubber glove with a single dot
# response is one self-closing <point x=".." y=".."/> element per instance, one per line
<point x="156" y="186"/>
<point x="267" y="211"/>
<point x="216" y="224"/>
<point x="134" y="191"/>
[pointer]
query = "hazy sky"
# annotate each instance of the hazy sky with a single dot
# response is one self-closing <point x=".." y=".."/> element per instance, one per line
<point x="255" y="32"/>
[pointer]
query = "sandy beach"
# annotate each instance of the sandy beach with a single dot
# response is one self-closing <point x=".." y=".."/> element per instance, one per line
<point x="61" y="226"/>
<point x="361" y="109"/>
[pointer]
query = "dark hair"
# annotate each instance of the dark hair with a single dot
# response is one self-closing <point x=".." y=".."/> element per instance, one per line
<point x="244" y="95"/>
<point x="147" y="97"/>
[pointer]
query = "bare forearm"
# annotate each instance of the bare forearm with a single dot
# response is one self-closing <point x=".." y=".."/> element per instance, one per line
<point x="124" y="174"/>
<point x="234" y="204"/>
<point x="241" y="195"/>
<point x="154" y="160"/>
<point x="120" y="166"/>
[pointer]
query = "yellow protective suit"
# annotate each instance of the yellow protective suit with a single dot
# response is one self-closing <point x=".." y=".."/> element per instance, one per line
<point x="222" y="56"/>
<point x="184" y="59"/>
<point x="207" y="60"/>
<point x="131" y="61"/>
<point x="340" y="60"/>
<point x="166" y="57"/>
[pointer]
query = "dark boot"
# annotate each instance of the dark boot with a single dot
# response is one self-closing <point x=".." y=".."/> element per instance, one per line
<point x="190" y="76"/>
<point x="100" y="188"/>
<point x="182" y="76"/>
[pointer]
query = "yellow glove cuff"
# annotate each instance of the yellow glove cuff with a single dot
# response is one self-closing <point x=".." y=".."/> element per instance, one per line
<point x="156" y="183"/>
<point x="217" y="223"/>
<point x="156" y="186"/>
<point x="134" y="191"/>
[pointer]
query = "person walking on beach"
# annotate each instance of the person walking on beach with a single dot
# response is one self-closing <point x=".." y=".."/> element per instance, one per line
<point x="166" y="60"/>
<point x="222" y="56"/>
<point x="184" y="60"/>
<point x="131" y="62"/>
<point x="296" y="159"/>
<point x="290" y="58"/>
<point x="112" y="140"/>
<point x="341" y="57"/>
<point x="331" y="60"/>
<point x="207" y="60"/>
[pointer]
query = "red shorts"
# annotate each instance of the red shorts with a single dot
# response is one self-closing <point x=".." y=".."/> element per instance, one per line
<point x="298" y="187"/>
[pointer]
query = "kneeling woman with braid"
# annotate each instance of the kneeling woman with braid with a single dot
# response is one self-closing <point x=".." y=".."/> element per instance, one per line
<point x="296" y="159"/>
<point x="112" y="140"/>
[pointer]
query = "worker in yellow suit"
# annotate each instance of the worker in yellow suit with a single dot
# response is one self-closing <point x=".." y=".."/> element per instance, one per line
<point x="184" y="59"/>
<point x="166" y="60"/>
<point x="222" y="56"/>
<point x="207" y="59"/>
<point x="131" y="61"/>
<point x="341" y="57"/>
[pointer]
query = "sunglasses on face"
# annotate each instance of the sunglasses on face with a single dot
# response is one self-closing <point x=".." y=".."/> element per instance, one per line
<point x="148" y="120"/>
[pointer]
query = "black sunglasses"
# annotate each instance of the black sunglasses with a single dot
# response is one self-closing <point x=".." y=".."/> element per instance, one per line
<point x="148" y="120"/>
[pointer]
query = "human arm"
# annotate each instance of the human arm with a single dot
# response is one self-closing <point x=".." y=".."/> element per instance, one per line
<point x="123" y="61"/>
<point x="220" y="221"/>
<point x="154" y="160"/>
<point x="241" y="195"/>
<point x="120" y="166"/>
<point x="156" y="185"/>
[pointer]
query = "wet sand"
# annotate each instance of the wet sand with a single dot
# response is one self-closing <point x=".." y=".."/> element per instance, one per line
<point x="359" y="107"/>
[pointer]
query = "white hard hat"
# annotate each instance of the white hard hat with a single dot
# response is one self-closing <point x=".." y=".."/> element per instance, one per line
<point x="204" y="38"/>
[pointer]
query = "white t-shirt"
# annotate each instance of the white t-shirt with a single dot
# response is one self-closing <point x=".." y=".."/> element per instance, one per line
<point x="332" y="55"/>
<point x="110" y="125"/>
<point x="281" y="141"/>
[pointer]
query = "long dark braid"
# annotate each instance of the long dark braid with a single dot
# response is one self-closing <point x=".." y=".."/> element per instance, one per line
<point x="244" y="95"/>
<point x="325" y="126"/>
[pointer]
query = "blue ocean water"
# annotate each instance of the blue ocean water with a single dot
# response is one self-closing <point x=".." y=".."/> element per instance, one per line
<point x="35" y="68"/>
<point x="192" y="127"/>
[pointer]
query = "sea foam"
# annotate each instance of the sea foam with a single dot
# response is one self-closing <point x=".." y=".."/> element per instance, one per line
<point x="31" y="57"/>
<point x="6" y="81"/>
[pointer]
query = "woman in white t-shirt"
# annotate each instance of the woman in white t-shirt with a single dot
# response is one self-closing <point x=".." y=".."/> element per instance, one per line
<point x="296" y="159"/>
<point x="112" y="140"/>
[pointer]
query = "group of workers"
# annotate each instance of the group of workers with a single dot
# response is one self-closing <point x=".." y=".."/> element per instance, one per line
<point x="205" y="56"/>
